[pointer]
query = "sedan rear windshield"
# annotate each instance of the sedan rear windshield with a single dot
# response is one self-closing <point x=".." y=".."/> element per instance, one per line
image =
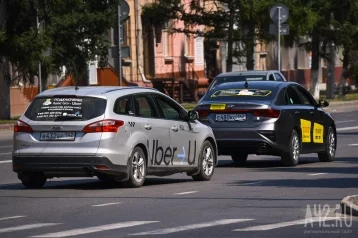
<point x="241" y="94"/>
<point x="66" y="108"/>
<point x="237" y="78"/>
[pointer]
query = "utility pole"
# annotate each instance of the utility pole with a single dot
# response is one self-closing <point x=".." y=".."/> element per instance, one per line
<point x="120" y="44"/>
<point x="279" y="39"/>
<point x="279" y="15"/>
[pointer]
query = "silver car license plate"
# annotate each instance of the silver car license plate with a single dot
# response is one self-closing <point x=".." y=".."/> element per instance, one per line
<point x="57" y="136"/>
<point x="231" y="117"/>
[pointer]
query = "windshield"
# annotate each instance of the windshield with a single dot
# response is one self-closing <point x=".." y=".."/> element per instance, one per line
<point x="237" y="78"/>
<point x="66" y="108"/>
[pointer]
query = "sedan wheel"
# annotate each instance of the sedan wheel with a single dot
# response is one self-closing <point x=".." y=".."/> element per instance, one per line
<point x="330" y="147"/>
<point x="207" y="160"/>
<point x="291" y="158"/>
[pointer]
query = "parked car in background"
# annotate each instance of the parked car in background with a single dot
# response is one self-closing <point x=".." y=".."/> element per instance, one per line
<point x="240" y="76"/>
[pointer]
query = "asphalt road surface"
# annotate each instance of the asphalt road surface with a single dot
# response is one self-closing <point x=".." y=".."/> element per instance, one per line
<point x="261" y="199"/>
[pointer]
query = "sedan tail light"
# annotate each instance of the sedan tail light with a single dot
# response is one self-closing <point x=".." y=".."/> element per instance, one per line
<point x="272" y="113"/>
<point x="103" y="126"/>
<point x="21" y="126"/>
<point x="203" y="114"/>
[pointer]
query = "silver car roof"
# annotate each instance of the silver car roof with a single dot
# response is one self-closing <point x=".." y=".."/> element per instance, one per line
<point x="100" y="91"/>
<point x="250" y="72"/>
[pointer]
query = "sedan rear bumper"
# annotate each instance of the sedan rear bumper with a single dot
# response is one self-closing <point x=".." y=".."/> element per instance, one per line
<point x="68" y="166"/>
<point x="261" y="142"/>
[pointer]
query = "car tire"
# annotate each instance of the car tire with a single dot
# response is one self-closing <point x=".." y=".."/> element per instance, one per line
<point x="206" y="162"/>
<point x="292" y="157"/>
<point x="34" y="180"/>
<point x="330" y="147"/>
<point x="137" y="168"/>
<point x="239" y="158"/>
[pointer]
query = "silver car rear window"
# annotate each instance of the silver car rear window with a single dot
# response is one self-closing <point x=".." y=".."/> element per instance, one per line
<point x="237" y="78"/>
<point x="66" y="108"/>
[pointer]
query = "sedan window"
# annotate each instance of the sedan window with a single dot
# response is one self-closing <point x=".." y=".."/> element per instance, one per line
<point x="292" y="96"/>
<point x="304" y="96"/>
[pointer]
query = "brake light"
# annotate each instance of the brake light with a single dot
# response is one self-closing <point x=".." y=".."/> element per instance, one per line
<point x="266" y="113"/>
<point x="103" y="126"/>
<point x="203" y="114"/>
<point x="21" y="126"/>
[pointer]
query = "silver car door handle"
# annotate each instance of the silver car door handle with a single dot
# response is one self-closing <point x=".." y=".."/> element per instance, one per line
<point x="312" y="113"/>
<point x="175" y="128"/>
<point x="148" y="127"/>
<point x="297" y="113"/>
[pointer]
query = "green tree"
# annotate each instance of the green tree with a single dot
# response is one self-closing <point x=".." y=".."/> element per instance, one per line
<point x="310" y="20"/>
<point x="345" y="33"/>
<point x="71" y="32"/>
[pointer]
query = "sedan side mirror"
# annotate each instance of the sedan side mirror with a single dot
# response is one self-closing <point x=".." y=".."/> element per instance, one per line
<point x="193" y="115"/>
<point x="200" y="94"/>
<point x="323" y="103"/>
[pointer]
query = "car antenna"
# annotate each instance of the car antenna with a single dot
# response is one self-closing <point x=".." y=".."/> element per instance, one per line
<point x="246" y="84"/>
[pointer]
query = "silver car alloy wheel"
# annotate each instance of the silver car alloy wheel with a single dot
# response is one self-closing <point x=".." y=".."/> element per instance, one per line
<point x="332" y="144"/>
<point x="295" y="147"/>
<point x="138" y="167"/>
<point x="208" y="161"/>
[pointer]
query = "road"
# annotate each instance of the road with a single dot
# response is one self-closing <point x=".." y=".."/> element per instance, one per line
<point x="261" y="199"/>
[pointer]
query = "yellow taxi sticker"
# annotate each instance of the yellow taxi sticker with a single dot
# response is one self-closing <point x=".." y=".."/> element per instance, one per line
<point x="306" y="131"/>
<point x="317" y="133"/>
<point x="217" y="106"/>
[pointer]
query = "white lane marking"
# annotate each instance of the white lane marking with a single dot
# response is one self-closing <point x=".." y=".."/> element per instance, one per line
<point x="285" y="224"/>
<point x="7" y="218"/>
<point x="6" y="153"/>
<point x="345" y="121"/>
<point x="106" y="204"/>
<point x="191" y="227"/>
<point x="347" y="128"/>
<point x="183" y="193"/>
<point x="5" y="161"/>
<point x="353" y="144"/>
<point x="317" y="174"/>
<point x="27" y="227"/>
<point x="93" y="229"/>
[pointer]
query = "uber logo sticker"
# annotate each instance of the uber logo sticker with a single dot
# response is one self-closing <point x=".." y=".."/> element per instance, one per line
<point x="131" y="123"/>
<point x="166" y="156"/>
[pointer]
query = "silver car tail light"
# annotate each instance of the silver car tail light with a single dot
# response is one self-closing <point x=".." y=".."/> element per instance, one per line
<point x="21" y="126"/>
<point x="103" y="126"/>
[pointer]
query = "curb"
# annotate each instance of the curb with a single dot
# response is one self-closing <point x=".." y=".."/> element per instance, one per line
<point x="345" y="103"/>
<point x="6" y="126"/>
<point x="348" y="207"/>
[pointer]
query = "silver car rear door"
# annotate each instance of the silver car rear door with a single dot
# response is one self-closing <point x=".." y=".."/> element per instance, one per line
<point x="156" y="130"/>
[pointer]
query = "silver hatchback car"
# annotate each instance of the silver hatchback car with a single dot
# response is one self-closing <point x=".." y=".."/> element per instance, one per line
<point x="114" y="133"/>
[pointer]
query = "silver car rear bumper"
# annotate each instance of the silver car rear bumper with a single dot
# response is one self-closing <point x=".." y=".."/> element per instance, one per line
<point x="68" y="166"/>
